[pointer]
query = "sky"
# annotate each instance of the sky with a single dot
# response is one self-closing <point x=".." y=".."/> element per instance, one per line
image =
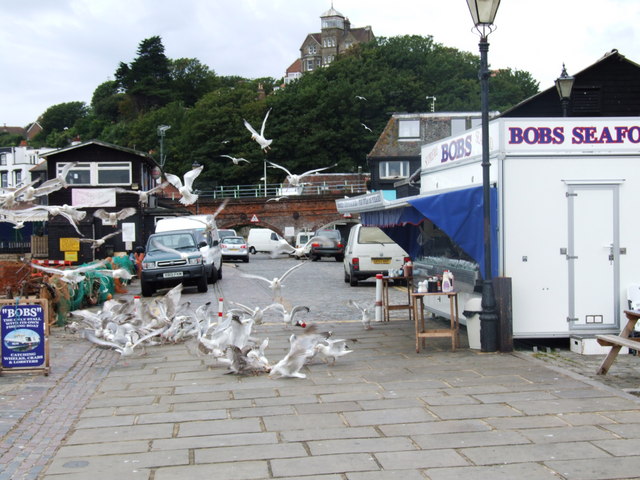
<point x="57" y="51"/>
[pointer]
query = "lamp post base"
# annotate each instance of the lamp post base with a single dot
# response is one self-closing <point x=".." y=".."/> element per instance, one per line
<point x="488" y="319"/>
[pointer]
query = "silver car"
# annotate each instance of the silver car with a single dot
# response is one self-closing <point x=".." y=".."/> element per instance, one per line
<point x="234" y="248"/>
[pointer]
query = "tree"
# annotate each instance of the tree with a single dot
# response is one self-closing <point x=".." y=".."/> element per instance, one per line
<point x="61" y="117"/>
<point x="191" y="80"/>
<point x="147" y="79"/>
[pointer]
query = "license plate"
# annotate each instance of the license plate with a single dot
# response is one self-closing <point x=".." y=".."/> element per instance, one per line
<point x="379" y="261"/>
<point x="172" y="274"/>
<point x="233" y="249"/>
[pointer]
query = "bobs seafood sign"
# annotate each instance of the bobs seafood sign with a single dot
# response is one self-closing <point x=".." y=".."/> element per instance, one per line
<point x="539" y="137"/>
<point x="24" y="331"/>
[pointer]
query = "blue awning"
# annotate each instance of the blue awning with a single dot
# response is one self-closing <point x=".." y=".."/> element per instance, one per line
<point x="458" y="213"/>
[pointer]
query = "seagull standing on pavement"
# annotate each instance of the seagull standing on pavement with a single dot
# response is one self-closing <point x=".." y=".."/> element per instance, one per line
<point x="295" y="180"/>
<point x="364" y="311"/>
<point x="259" y="137"/>
<point x="186" y="190"/>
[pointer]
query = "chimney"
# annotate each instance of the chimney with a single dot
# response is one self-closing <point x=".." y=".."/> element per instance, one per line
<point x="261" y="94"/>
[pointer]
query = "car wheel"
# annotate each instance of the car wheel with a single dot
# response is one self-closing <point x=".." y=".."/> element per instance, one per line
<point x="339" y="258"/>
<point x="202" y="284"/>
<point x="346" y="277"/>
<point x="246" y="259"/>
<point x="353" y="281"/>
<point x="252" y="250"/>
<point x="220" y="272"/>
<point x="315" y="258"/>
<point x="147" y="289"/>
<point x="214" y="275"/>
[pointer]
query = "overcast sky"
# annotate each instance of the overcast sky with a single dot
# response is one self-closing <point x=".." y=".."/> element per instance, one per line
<point x="56" y="51"/>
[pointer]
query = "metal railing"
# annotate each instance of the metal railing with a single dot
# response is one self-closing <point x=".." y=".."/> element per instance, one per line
<point x="279" y="189"/>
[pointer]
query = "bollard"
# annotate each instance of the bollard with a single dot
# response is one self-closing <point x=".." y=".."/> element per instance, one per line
<point x="378" y="303"/>
<point x="220" y="308"/>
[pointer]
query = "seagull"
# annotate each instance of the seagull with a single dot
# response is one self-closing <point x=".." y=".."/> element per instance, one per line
<point x="259" y="137"/>
<point x="256" y="313"/>
<point x="333" y="348"/>
<point x="366" y="314"/>
<point x="70" y="275"/>
<point x="72" y="214"/>
<point x="57" y="183"/>
<point x="121" y="273"/>
<point x="302" y="349"/>
<point x="288" y="315"/>
<point x="143" y="196"/>
<point x="360" y="97"/>
<point x="186" y="190"/>
<point x="366" y="128"/>
<point x="236" y="161"/>
<point x="125" y="350"/>
<point x="111" y="218"/>
<point x="276" y="283"/>
<point x="10" y="195"/>
<point x="99" y="242"/>
<point x="182" y="255"/>
<point x="277" y="199"/>
<point x="295" y="180"/>
<point x="209" y="221"/>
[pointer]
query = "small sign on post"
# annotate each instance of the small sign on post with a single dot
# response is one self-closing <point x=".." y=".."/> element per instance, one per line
<point x="24" y="335"/>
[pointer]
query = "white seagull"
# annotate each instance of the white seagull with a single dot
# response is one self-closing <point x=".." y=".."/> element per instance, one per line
<point x="100" y="241"/>
<point x="236" y="161"/>
<point x="302" y="349"/>
<point x="366" y="128"/>
<point x="295" y="180"/>
<point x="9" y="196"/>
<point x="183" y="255"/>
<point x="276" y="283"/>
<point x="288" y="315"/>
<point x="259" y="137"/>
<point x="364" y="311"/>
<point x="187" y="197"/>
<point x="111" y="218"/>
<point x="72" y="214"/>
<point x="70" y="275"/>
<point x="57" y="183"/>
<point x="360" y="97"/>
<point x="143" y="196"/>
<point x="332" y="349"/>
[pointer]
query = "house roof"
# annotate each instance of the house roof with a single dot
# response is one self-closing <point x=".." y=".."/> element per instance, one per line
<point x="295" y="67"/>
<point x="99" y="143"/>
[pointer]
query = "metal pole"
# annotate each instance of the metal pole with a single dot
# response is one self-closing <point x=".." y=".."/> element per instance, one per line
<point x="488" y="316"/>
<point x="265" y="177"/>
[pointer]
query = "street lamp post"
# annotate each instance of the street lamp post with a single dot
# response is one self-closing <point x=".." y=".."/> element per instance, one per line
<point x="162" y="129"/>
<point x="483" y="13"/>
<point x="564" y="84"/>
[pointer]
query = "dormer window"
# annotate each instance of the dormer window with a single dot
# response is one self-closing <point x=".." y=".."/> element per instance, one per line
<point x="313" y="49"/>
<point x="409" y="129"/>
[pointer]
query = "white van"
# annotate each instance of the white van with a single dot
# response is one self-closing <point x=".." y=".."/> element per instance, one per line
<point x="266" y="241"/>
<point x="370" y="251"/>
<point x="211" y="253"/>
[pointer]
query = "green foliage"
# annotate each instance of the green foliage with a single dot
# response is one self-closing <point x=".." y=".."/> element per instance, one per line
<point x="316" y="121"/>
<point x="61" y="116"/>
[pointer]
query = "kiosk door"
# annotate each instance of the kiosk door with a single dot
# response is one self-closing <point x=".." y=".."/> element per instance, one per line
<point x="593" y="257"/>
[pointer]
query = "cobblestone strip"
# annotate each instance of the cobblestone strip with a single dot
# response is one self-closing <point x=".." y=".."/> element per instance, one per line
<point x="29" y="446"/>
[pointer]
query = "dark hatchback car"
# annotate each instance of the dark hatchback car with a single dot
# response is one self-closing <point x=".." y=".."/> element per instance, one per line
<point x="327" y="243"/>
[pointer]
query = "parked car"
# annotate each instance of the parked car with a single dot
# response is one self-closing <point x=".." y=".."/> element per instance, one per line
<point x="370" y="251"/>
<point x="302" y="240"/>
<point x="266" y="241"/>
<point x="211" y="251"/>
<point x="227" y="232"/>
<point x="234" y="248"/>
<point x="174" y="257"/>
<point x="326" y="243"/>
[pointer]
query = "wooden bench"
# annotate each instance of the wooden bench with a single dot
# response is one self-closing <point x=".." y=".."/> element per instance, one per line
<point x="616" y="342"/>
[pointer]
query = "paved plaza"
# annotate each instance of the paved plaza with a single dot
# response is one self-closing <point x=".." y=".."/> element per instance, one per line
<point x="380" y="412"/>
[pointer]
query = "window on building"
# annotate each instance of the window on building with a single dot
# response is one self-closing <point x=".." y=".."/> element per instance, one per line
<point x="17" y="177"/>
<point x="458" y="126"/>
<point x="4" y="179"/>
<point x="313" y="49"/>
<point x="3" y="158"/>
<point x="99" y="173"/>
<point x="409" y="129"/>
<point x="394" y="169"/>
<point x="329" y="42"/>
<point x="310" y="64"/>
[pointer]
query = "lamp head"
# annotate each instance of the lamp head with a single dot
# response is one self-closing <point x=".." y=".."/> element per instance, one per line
<point x="564" y="84"/>
<point x="483" y="13"/>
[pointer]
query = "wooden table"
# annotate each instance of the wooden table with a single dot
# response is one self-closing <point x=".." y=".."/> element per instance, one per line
<point x="418" y="316"/>
<point x="386" y="307"/>
<point x="616" y="342"/>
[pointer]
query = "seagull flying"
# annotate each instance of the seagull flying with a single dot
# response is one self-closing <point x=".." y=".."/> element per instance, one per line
<point x="236" y="161"/>
<point x="360" y="97"/>
<point x="276" y="283"/>
<point x="72" y="214"/>
<point x="99" y="242"/>
<point x="295" y="180"/>
<point x="186" y="190"/>
<point x="9" y="197"/>
<point x="70" y="275"/>
<point x="111" y="218"/>
<point x="143" y="196"/>
<point x="366" y="128"/>
<point x="259" y="137"/>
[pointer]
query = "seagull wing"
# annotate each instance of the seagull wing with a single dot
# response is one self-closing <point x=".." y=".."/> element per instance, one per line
<point x="173" y="180"/>
<point x="126" y="213"/>
<point x="249" y="275"/>
<point x="159" y="246"/>
<point x="220" y="208"/>
<point x="51" y="270"/>
<point x="157" y="188"/>
<point x="71" y="221"/>
<point x="124" y="190"/>
<point x="191" y="175"/>
<point x="250" y="128"/>
<point x="89" y="335"/>
<point x="316" y="170"/>
<point x="285" y="274"/>
<point x="109" y="235"/>
<point x="92" y="266"/>
<point x="264" y="122"/>
<point x="102" y="214"/>
<point x="275" y="165"/>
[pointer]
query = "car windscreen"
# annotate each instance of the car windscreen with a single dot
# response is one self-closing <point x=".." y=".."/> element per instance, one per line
<point x="373" y="235"/>
<point x="177" y="241"/>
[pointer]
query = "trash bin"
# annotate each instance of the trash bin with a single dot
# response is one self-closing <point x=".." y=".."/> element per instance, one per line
<point x="471" y="311"/>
